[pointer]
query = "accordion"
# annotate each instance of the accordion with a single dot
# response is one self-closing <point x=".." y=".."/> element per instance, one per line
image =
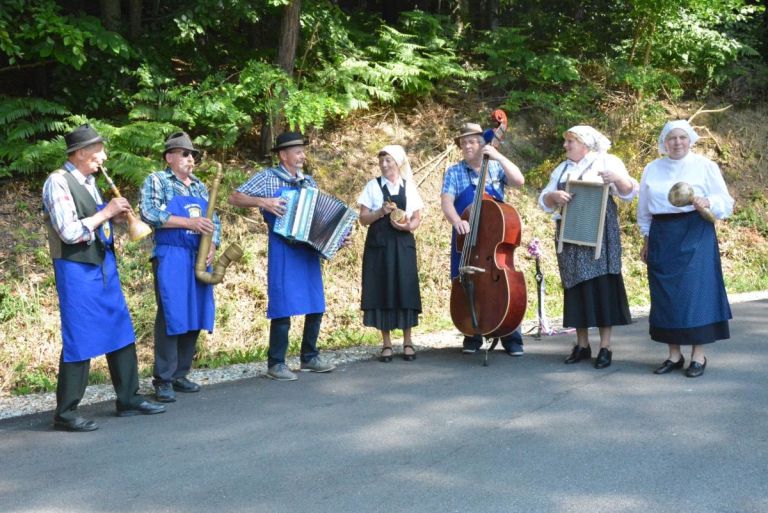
<point x="315" y="218"/>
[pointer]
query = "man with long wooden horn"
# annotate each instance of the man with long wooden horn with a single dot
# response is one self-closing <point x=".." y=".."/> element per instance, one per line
<point x="94" y="316"/>
<point x="173" y="202"/>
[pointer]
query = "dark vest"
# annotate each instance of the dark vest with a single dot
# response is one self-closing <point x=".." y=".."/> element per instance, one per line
<point x="85" y="206"/>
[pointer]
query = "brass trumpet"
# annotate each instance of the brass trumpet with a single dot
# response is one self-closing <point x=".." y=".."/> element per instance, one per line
<point x="232" y="254"/>
<point x="137" y="229"/>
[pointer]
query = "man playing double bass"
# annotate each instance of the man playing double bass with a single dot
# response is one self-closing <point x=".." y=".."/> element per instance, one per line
<point x="458" y="192"/>
<point x="174" y="202"/>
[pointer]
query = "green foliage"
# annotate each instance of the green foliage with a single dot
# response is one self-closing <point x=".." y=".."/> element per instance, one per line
<point x="31" y="381"/>
<point x="23" y="123"/>
<point x="32" y="30"/>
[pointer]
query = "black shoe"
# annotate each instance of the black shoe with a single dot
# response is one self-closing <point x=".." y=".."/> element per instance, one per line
<point x="603" y="359"/>
<point x="669" y="366"/>
<point x="164" y="393"/>
<point x="386" y="355"/>
<point x="579" y="353"/>
<point x="186" y="386"/>
<point x="696" y="369"/>
<point x="78" y="424"/>
<point x="143" y="408"/>
<point x="409" y="357"/>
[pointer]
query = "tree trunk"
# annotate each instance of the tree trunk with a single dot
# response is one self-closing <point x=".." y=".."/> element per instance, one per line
<point x="134" y="15"/>
<point x="290" y="29"/>
<point x="110" y="14"/>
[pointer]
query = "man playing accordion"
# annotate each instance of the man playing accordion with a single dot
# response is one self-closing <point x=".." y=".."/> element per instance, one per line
<point x="295" y="281"/>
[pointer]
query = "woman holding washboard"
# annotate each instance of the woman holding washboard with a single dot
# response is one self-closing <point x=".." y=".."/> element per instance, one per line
<point x="594" y="288"/>
<point x="390" y="206"/>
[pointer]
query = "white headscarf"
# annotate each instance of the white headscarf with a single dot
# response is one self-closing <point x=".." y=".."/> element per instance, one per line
<point x="671" y="125"/>
<point x="397" y="152"/>
<point x="593" y="139"/>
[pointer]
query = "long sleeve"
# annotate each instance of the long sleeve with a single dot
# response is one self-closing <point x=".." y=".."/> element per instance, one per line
<point x="551" y="186"/>
<point x="152" y="205"/>
<point x="58" y="202"/>
<point x="720" y="200"/>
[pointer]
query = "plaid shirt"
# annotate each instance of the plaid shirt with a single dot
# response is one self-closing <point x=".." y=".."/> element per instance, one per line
<point x="459" y="176"/>
<point x="159" y="189"/>
<point x="266" y="183"/>
<point x="58" y="203"/>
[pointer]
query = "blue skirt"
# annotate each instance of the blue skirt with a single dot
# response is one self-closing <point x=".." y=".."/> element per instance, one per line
<point x="689" y="305"/>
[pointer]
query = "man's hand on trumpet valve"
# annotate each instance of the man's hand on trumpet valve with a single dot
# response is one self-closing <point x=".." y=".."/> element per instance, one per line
<point x="200" y="224"/>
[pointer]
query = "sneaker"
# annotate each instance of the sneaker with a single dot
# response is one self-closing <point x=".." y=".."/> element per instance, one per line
<point x="164" y="393"/>
<point x="515" y="349"/>
<point x="281" y="372"/>
<point x="185" y="385"/>
<point x="469" y="350"/>
<point x="316" y="365"/>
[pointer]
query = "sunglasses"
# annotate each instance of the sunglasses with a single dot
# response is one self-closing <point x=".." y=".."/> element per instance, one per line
<point x="185" y="153"/>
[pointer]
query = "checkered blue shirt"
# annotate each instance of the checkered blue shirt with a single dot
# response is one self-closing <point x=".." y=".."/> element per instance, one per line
<point x="459" y="176"/>
<point x="266" y="183"/>
<point x="159" y="189"/>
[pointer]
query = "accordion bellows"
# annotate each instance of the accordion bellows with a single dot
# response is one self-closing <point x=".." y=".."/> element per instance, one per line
<point x="315" y="218"/>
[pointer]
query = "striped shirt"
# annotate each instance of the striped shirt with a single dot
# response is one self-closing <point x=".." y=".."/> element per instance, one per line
<point x="460" y="176"/>
<point x="160" y="188"/>
<point x="58" y="204"/>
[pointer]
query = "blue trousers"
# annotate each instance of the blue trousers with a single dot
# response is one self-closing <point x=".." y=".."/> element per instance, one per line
<point x="278" y="338"/>
<point x="476" y="342"/>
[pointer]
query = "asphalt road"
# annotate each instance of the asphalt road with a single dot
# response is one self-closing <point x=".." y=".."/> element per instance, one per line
<point x="440" y="434"/>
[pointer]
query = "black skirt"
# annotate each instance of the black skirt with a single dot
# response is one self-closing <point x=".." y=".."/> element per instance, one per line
<point x="599" y="302"/>
<point x="391" y="298"/>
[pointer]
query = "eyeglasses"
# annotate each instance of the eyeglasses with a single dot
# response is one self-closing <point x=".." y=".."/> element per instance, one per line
<point x="184" y="153"/>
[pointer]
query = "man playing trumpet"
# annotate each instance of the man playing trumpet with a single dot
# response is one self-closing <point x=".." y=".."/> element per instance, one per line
<point x="173" y="202"/>
<point x="94" y="315"/>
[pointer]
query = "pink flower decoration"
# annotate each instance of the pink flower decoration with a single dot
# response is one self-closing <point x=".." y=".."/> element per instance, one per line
<point x="534" y="248"/>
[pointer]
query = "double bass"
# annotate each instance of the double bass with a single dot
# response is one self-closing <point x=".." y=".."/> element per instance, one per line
<point x="488" y="296"/>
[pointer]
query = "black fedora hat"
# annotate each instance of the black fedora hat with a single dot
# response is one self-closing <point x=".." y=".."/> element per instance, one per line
<point x="288" y="140"/>
<point x="81" y="137"/>
<point x="180" y="141"/>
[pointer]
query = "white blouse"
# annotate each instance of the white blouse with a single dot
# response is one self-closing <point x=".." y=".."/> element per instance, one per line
<point x="660" y="175"/>
<point x="587" y="169"/>
<point x="372" y="197"/>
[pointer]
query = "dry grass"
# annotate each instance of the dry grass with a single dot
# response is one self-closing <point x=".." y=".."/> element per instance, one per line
<point x="342" y="160"/>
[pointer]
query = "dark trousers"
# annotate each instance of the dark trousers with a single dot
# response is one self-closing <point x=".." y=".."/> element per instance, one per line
<point x="73" y="379"/>
<point x="278" y="338"/>
<point x="476" y="342"/>
<point x="173" y="353"/>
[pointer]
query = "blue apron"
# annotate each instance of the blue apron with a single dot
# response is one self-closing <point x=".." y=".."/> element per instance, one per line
<point x="187" y="302"/>
<point x="94" y="316"/>
<point x="294" y="277"/>
<point x="684" y="273"/>
<point x="461" y="202"/>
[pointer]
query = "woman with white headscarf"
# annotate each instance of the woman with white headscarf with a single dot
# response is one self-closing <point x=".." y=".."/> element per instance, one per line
<point x="689" y="305"/>
<point x="390" y="291"/>
<point x="594" y="294"/>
